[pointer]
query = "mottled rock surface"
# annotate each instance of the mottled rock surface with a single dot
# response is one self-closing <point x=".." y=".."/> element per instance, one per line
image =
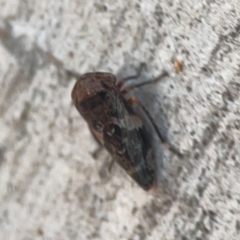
<point x="51" y="186"/>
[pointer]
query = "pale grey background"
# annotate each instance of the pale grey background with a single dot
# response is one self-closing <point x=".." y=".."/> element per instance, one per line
<point x="51" y="187"/>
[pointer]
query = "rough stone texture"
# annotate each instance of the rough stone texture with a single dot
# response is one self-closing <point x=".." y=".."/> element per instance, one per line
<point x="51" y="187"/>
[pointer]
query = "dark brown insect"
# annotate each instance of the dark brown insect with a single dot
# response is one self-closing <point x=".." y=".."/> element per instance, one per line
<point x="112" y="120"/>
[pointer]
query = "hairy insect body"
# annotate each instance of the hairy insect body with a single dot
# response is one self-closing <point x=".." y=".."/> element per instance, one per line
<point x="115" y="125"/>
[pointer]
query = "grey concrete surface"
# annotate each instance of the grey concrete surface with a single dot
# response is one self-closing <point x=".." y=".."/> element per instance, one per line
<point x="51" y="187"/>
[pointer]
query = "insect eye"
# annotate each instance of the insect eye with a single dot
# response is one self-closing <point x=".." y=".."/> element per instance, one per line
<point x="95" y="101"/>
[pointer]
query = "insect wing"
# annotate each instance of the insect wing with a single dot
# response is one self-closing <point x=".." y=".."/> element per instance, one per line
<point x="126" y="140"/>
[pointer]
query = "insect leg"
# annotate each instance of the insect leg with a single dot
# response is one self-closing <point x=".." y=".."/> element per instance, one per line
<point x="111" y="165"/>
<point x="170" y="146"/>
<point x="124" y="80"/>
<point x="128" y="89"/>
<point x="154" y="80"/>
<point x="96" y="152"/>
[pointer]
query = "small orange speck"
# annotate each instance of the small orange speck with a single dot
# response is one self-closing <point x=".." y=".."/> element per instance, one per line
<point x="178" y="66"/>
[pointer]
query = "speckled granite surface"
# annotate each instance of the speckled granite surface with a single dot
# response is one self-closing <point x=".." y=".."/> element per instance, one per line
<point x="51" y="187"/>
